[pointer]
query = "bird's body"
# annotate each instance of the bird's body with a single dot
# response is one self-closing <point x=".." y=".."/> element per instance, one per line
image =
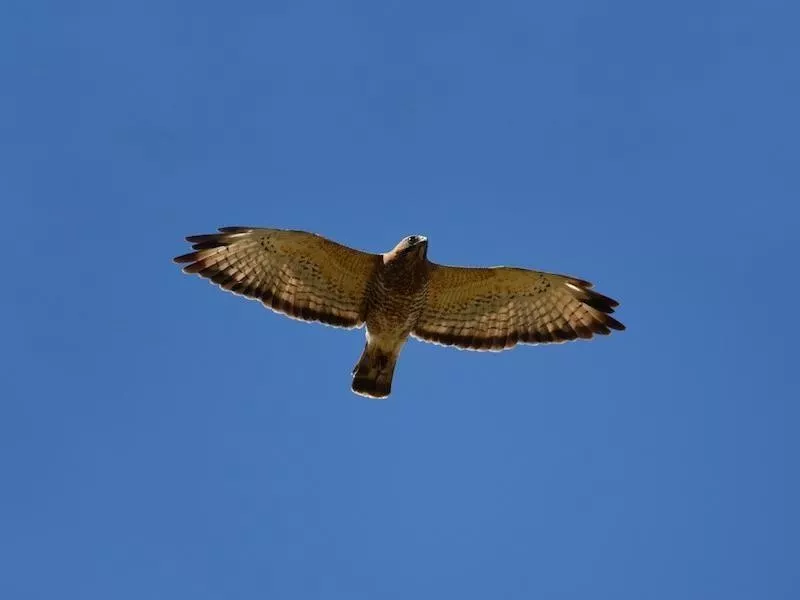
<point x="398" y="294"/>
<point x="397" y="291"/>
<point x="394" y="303"/>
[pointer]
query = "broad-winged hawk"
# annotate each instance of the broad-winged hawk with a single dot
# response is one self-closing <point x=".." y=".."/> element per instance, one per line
<point x="397" y="294"/>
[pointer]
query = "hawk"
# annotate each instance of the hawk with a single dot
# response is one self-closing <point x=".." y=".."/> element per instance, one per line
<point x="398" y="294"/>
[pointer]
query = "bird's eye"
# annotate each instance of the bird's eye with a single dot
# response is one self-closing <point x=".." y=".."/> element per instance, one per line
<point x="412" y="239"/>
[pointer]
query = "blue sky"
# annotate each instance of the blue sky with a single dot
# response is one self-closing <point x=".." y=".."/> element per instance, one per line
<point x="161" y="439"/>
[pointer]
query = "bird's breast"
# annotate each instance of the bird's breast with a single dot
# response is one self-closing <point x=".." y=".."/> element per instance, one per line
<point x="395" y="299"/>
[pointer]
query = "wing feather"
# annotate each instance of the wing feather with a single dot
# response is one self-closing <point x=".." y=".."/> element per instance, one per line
<point x="297" y="273"/>
<point x="496" y="308"/>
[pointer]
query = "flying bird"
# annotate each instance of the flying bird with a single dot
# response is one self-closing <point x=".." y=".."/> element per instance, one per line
<point x="398" y="294"/>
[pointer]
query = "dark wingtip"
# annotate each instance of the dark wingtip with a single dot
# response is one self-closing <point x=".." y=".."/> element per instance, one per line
<point x="600" y="302"/>
<point x="234" y="229"/>
<point x="194" y="239"/>
<point x="209" y="241"/>
<point x="581" y="290"/>
<point x="614" y="324"/>
<point x="184" y="258"/>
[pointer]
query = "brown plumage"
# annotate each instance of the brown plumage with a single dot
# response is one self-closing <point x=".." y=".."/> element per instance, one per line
<point x="398" y="294"/>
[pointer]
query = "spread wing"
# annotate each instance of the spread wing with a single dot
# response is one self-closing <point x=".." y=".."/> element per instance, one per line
<point x="300" y="274"/>
<point x="496" y="308"/>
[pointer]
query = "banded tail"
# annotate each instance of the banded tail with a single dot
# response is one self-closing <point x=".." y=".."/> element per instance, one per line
<point x="372" y="376"/>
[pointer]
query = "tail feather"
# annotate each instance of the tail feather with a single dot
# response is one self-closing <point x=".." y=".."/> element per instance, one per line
<point x="372" y="376"/>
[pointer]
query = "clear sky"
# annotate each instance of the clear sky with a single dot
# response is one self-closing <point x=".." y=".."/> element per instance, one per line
<point x="162" y="439"/>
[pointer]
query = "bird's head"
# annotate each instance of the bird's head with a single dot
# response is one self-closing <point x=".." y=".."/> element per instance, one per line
<point x="413" y="245"/>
